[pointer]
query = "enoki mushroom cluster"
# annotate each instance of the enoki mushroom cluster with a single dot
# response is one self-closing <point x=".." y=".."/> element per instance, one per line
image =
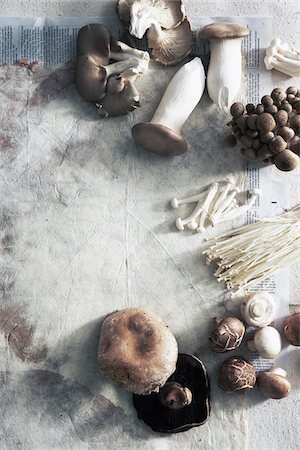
<point x="270" y="131"/>
<point x="249" y="254"/>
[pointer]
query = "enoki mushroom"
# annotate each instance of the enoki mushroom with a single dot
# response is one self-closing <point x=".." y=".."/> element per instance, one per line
<point x="249" y="254"/>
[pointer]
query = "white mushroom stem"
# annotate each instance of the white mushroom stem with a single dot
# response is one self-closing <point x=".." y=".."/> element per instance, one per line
<point x="281" y="57"/>
<point x="237" y="212"/>
<point x="142" y="17"/>
<point x="175" y="202"/>
<point x="227" y="202"/>
<point x="229" y="184"/>
<point x="205" y="208"/>
<point x="190" y="220"/>
<point x="181" y="96"/>
<point x="122" y="66"/>
<point x="224" y="71"/>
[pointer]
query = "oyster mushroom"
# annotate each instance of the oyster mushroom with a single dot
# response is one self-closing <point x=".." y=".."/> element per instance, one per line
<point x="266" y="342"/>
<point x="291" y="329"/>
<point x="136" y="350"/>
<point x="236" y="375"/>
<point x="164" y="22"/>
<point x="162" y="134"/>
<point x="258" y="309"/>
<point x="182" y="403"/>
<point x="227" y="335"/>
<point x="274" y="384"/>
<point x="110" y="86"/>
<point x="225" y="66"/>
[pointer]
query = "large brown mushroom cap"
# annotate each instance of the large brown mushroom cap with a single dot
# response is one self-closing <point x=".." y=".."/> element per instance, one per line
<point x="171" y="46"/>
<point x="159" y="139"/>
<point x="223" y="30"/>
<point x="273" y="385"/>
<point x="169" y="13"/>
<point x="227" y="335"/>
<point x="291" y="329"/>
<point x="236" y="375"/>
<point x="137" y="350"/>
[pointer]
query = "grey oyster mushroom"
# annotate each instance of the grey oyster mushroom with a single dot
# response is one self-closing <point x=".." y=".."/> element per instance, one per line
<point x="224" y="74"/>
<point x="236" y="375"/>
<point x="274" y="384"/>
<point x="137" y="350"/>
<point x="109" y="85"/>
<point x="227" y="335"/>
<point x="291" y="329"/>
<point x="164" y="22"/>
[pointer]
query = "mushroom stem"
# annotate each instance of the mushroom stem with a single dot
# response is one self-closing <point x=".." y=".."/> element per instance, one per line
<point x="175" y="396"/>
<point x="225" y="71"/>
<point x="121" y="66"/>
<point x="142" y="20"/>
<point x="181" y="96"/>
<point x="281" y="57"/>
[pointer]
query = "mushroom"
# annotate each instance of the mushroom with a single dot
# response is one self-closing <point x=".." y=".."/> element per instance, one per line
<point x="168" y="31"/>
<point x="136" y="350"/>
<point x="225" y="66"/>
<point x="273" y="384"/>
<point x="258" y="309"/>
<point x="291" y="329"/>
<point x="266" y="342"/>
<point x="162" y="134"/>
<point x="182" y="403"/>
<point x="236" y="375"/>
<point x="227" y="335"/>
<point x="286" y="160"/>
<point x="110" y="86"/>
<point x="282" y="57"/>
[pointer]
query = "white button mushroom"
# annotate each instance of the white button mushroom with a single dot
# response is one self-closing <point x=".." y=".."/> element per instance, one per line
<point x="266" y="342"/>
<point x="225" y="66"/>
<point x="258" y="309"/>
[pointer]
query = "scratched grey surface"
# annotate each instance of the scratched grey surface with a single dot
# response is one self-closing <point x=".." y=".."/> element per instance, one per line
<point x="85" y="229"/>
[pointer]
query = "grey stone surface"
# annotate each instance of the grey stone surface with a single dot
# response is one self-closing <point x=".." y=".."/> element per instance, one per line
<point x="86" y="228"/>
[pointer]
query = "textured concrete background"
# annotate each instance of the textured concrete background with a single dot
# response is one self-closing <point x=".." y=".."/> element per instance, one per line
<point x="61" y="273"/>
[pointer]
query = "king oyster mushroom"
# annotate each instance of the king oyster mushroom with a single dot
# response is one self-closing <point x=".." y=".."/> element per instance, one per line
<point x="236" y="375"/>
<point x="162" y="134"/>
<point x="227" y="335"/>
<point x="137" y="350"/>
<point x="258" y="308"/>
<point x="274" y="384"/>
<point x="182" y="403"/>
<point x="225" y="66"/>
<point x="291" y="329"/>
<point x="168" y="31"/>
<point x="110" y="86"/>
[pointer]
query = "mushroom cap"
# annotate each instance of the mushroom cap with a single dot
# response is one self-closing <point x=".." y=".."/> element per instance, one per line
<point x="258" y="308"/>
<point x="286" y="160"/>
<point x="159" y="139"/>
<point x="236" y="375"/>
<point x="227" y="335"/>
<point x="171" y="46"/>
<point x="137" y="350"/>
<point x="223" y="30"/>
<point x="120" y="103"/>
<point x="94" y="39"/>
<point x="273" y="385"/>
<point x="267" y="341"/>
<point x="291" y="329"/>
<point x="191" y="373"/>
<point x="169" y="13"/>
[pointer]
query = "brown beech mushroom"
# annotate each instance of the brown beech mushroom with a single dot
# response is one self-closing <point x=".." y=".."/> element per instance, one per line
<point x="227" y="335"/>
<point x="274" y="384"/>
<point x="182" y="403"/>
<point x="164" y="22"/>
<point x="286" y="160"/>
<point x="110" y="86"/>
<point x="224" y="74"/>
<point x="236" y="375"/>
<point x="137" y="350"/>
<point x="291" y="329"/>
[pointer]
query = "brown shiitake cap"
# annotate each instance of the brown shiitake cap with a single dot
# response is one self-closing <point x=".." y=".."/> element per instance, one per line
<point x="136" y="350"/>
<point x="295" y="123"/>
<point x="286" y="160"/>
<point x="237" y="109"/>
<point x="277" y="145"/>
<point x="159" y="139"/>
<point x="227" y="335"/>
<point x="171" y="46"/>
<point x="169" y="13"/>
<point x="223" y="30"/>
<point x="291" y="329"/>
<point x="236" y="375"/>
<point x="265" y="122"/>
<point x="273" y="385"/>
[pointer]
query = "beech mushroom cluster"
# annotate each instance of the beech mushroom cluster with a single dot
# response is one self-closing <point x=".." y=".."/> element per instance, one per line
<point x="270" y="131"/>
<point x="109" y="85"/>
<point x="164" y="22"/>
<point x="138" y="352"/>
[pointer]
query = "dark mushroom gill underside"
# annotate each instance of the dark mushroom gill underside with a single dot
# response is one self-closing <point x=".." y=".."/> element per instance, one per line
<point x="191" y="373"/>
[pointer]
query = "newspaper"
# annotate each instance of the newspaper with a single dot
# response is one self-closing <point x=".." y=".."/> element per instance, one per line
<point x="52" y="41"/>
